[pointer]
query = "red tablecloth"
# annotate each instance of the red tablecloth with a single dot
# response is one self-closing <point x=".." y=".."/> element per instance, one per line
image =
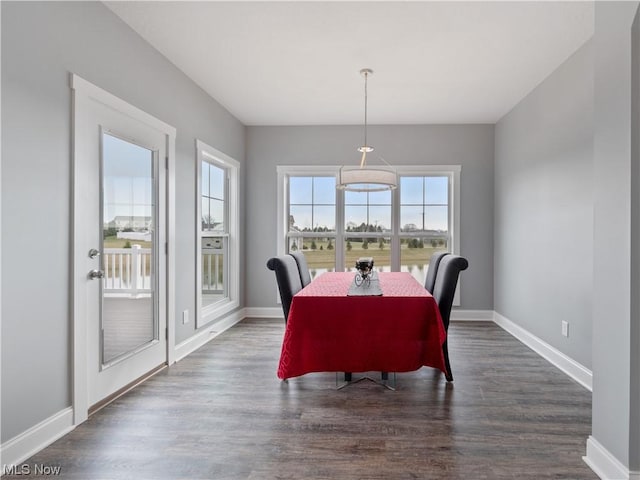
<point x="328" y="331"/>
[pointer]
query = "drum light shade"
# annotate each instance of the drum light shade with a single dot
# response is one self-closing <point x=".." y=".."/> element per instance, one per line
<point x="367" y="179"/>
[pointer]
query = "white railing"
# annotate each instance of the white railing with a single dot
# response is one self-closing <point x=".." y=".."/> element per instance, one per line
<point x="127" y="271"/>
<point x="212" y="264"/>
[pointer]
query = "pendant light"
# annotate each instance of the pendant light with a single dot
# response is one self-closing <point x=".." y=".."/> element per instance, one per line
<point x="364" y="178"/>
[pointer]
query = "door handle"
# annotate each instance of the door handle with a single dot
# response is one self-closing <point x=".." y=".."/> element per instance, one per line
<point x="93" y="274"/>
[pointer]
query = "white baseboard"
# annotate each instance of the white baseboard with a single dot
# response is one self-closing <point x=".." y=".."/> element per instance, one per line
<point x="207" y="334"/>
<point x="264" y="312"/>
<point x="604" y="464"/>
<point x="31" y="441"/>
<point x="578" y="372"/>
<point x="460" y="315"/>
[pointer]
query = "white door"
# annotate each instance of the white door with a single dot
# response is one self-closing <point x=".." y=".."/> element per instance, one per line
<point x="120" y="244"/>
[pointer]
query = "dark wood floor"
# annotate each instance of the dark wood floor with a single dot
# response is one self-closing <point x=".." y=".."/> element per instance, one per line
<point x="221" y="413"/>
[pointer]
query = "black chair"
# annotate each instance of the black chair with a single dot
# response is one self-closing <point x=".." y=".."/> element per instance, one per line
<point x="288" y="278"/>
<point x="430" y="281"/>
<point x="303" y="268"/>
<point x="443" y="292"/>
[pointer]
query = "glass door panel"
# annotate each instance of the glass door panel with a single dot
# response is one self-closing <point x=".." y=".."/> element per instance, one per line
<point x="129" y="319"/>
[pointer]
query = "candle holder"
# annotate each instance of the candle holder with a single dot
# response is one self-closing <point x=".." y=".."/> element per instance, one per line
<point x="364" y="266"/>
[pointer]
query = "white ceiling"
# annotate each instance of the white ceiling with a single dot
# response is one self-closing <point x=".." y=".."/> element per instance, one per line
<point x="298" y="63"/>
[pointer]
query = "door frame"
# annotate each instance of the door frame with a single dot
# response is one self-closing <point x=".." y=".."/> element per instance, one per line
<point x="83" y="92"/>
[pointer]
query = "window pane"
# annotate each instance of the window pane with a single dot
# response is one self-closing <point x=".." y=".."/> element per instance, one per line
<point x="355" y="198"/>
<point x="411" y="218"/>
<point x="355" y="218"/>
<point x="411" y="190"/>
<point x="142" y="190"/>
<point x="320" y="253"/>
<point x="206" y="215"/>
<point x="216" y="177"/>
<point x="378" y="248"/>
<point x="380" y="198"/>
<point x="205" y="179"/>
<point x="216" y="209"/>
<point x="214" y="250"/>
<point x="415" y="254"/>
<point x="300" y="190"/>
<point x="380" y="218"/>
<point x="437" y="190"/>
<point x="324" y="190"/>
<point x="300" y="217"/>
<point x="324" y="217"/>
<point x="436" y="218"/>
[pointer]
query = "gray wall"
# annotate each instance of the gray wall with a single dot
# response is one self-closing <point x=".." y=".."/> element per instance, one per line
<point x="468" y="145"/>
<point x="544" y="209"/>
<point x="41" y="44"/>
<point x="614" y="402"/>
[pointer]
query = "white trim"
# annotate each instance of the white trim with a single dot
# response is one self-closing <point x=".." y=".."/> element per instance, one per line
<point x="40" y="436"/>
<point x="171" y="248"/>
<point x="604" y="464"/>
<point x="575" y="370"/>
<point x="205" y="316"/>
<point x="80" y="85"/>
<point x="83" y="93"/>
<point x="460" y="315"/>
<point x="264" y="312"/>
<point x="207" y="334"/>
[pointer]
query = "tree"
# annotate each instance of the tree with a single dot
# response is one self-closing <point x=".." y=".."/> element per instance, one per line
<point x="381" y="244"/>
<point x="330" y="245"/>
<point x="313" y="245"/>
<point x="365" y="244"/>
<point x="349" y="247"/>
<point x="420" y="244"/>
<point x="294" y="246"/>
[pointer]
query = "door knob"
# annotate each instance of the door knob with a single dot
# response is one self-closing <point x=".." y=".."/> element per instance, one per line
<point x="93" y="253"/>
<point x="93" y="274"/>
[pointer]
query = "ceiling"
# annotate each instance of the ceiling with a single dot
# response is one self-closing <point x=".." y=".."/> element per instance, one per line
<point x="298" y="63"/>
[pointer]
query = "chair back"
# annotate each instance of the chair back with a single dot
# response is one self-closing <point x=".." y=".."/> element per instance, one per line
<point x="303" y="268"/>
<point x="446" y="282"/>
<point x="288" y="279"/>
<point x="430" y="281"/>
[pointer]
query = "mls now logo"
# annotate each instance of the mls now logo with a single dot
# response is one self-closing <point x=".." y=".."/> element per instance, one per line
<point x="26" y="469"/>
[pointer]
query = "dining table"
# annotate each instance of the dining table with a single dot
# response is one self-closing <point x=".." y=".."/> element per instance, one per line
<point x="339" y="324"/>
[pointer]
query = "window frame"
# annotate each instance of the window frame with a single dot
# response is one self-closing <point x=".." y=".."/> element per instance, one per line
<point x="231" y="265"/>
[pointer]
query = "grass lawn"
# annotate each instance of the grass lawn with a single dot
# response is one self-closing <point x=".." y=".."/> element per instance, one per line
<point x="325" y="258"/>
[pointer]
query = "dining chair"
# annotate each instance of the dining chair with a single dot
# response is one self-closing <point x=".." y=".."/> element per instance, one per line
<point x="303" y="268"/>
<point x="288" y="278"/>
<point x="443" y="292"/>
<point x="434" y="262"/>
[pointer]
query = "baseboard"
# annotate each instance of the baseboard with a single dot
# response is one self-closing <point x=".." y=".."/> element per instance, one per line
<point x="578" y="372"/>
<point x="207" y="334"/>
<point x="460" y="315"/>
<point x="263" y="312"/>
<point x="31" y="441"/>
<point x="604" y="464"/>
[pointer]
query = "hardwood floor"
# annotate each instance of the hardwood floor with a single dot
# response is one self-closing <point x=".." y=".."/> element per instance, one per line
<point x="221" y="413"/>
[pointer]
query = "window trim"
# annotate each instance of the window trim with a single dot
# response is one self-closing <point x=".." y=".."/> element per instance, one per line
<point x="215" y="311"/>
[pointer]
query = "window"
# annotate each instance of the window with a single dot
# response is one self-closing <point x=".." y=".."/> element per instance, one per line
<point x="369" y="215"/>
<point x="400" y="229"/>
<point x="424" y="221"/>
<point x="217" y="250"/>
<point x="311" y="228"/>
